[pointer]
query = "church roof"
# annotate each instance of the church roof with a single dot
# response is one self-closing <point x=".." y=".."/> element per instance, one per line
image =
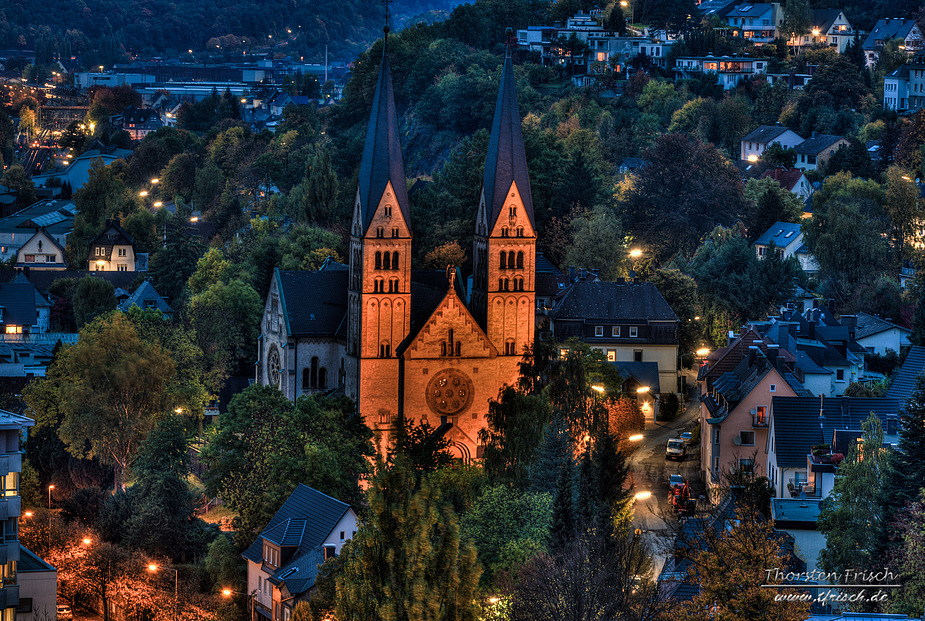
<point x="506" y="161"/>
<point x="314" y="303"/>
<point x="382" y="161"/>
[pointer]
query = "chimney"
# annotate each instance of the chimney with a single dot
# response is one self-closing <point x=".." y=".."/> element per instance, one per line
<point x="773" y="351"/>
<point x="811" y="330"/>
<point x="752" y="354"/>
<point x="571" y="273"/>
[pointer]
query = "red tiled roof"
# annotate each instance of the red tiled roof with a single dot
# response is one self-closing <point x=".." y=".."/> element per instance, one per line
<point x="787" y="178"/>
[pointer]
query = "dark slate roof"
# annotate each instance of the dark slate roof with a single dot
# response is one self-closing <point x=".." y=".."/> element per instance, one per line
<point x="868" y="325"/>
<point x="787" y="178"/>
<point x="18" y="302"/>
<point x="824" y="18"/>
<point x="798" y="426"/>
<point x="144" y="293"/>
<point x="287" y="533"/>
<point x="121" y="238"/>
<point x="632" y="163"/>
<point x="382" y="161"/>
<point x="614" y="301"/>
<point x="544" y="265"/>
<point x="905" y="379"/>
<point x="781" y="233"/>
<point x="428" y="288"/>
<point x="507" y="160"/>
<point x="765" y="133"/>
<point x="817" y="144"/>
<point x="319" y="512"/>
<point x="890" y="28"/>
<point x="299" y="573"/>
<point x="314" y="303"/>
<point x="717" y="7"/>
<point x="29" y="562"/>
<point x="645" y="373"/>
<point x="796" y="429"/>
<point x="42" y="279"/>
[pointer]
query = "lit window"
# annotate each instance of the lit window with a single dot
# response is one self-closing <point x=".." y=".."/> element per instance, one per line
<point x="598" y="330"/>
<point x="14" y="329"/>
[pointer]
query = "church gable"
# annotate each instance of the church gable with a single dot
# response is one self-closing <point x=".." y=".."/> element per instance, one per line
<point x="450" y="332"/>
<point x="388" y="220"/>
<point x="513" y="220"/>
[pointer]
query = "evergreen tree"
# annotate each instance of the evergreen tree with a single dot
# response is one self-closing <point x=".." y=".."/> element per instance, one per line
<point x="407" y="562"/>
<point x="614" y="499"/>
<point x="562" y="530"/>
<point x="905" y="474"/>
<point x="514" y="431"/>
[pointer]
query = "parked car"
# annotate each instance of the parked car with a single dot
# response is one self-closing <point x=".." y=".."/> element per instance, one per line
<point x="688" y="437"/>
<point x="64" y="612"/>
<point x="676" y="449"/>
<point x="675" y="479"/>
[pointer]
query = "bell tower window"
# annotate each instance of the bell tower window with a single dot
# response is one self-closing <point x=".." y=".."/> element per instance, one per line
<point x="379" y="232"/>
<point x="503" y="260"/>
<point x="520" y="260"/>
<point x="385" y="351"/>
<point x="378" y="260"/>
<point x="386" y="260"/>
<point x="395" y="260"/>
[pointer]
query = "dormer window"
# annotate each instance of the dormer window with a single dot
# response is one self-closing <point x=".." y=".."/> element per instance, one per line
<point x="270" y="555"/>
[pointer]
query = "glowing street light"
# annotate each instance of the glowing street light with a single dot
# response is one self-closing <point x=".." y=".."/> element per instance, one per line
<point x="636" y="437"/>
<point x="645" y="495"/>
<point x="703" y="352"/>
<point x="598" y="388"/>
<point x="50" y="487"/>
<point x="635" y="253"/>
<point x="87" y="541"/>
<point x="642" y="390"/>
<point x="155" y="181"/>
<point x="154" y="568"/>
<point x="143" y="193"/>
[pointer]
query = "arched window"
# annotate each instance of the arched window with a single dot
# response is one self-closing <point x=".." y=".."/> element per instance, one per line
<point x="500" y="284"/>
<point x="322" y="378"/>
<point x="520" y="260"/>
<point x="443" y="349"/>
<point x="378" y="260"/>
<point x="379" y="232"/>
<point x="395" y="260"/>
<point x="458" y="348"/>
<point x="377" y="286"/>
<point x="385" y="351"/>
<point x="306" y="378"/>
<point x="510" y="259"/>
<point x="503" y="260"/>
<point x="313" y="381"/>
<point x="386" y="261"/>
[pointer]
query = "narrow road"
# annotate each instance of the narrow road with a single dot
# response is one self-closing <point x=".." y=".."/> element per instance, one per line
<point x="650" y="471"/>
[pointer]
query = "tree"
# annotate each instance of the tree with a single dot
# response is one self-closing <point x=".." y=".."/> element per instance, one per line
<point x="307" y="247"/>
<point x="597" y="243"/>
<point x="226" y="318"/>
<point x="850" y="517"/>
<point x="423" y="446"/>
<point x="797" y="17"/>
<point x="508" y="528"/>
<point x="448" y="254"/>
<point x="907" y="559"/>
<point x="514" y="431"/>
<point x="904" y="207"/>
<point x="624" y="419"/>
<point x="92" y="298"/>
<point x="15" y="178"/>
<point x="702" y="188"/>
<point x="321" y="190"/>
<point x="407" y="561"/>
<point x="111" y="391"/>
<point x="223" y="563"/>
<point x="769" y="203"/>
<point x="171" y="267"/>
<point x="265" y="445"/>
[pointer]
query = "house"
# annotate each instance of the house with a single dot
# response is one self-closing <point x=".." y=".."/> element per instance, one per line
<point x="807" y="433"/>
<point x="77" y="173"/>
<point x="415" y="342"/>
<point x="112" y="250"/>
<point x="877" y="335"/>
<point x="54" y="217"/>
<point x="12" y="435"/>
<point x="42" y="251"/>
<point x="18" y="314"/>
<point x="758" y="23"/>
<point x="906" y="30"/>
<point x="282" y="563"/>
<point x="146" y="297"/>
<point x="737" y="385"/>
<point x="756" y="141"/>
<point x="788" y="239"/>
<point x="815" y="151"/>
<point x="139" y="122"/>
<point x="904" y="87"/>
<point x="729" y="70"/>
<point x="829" y="27"/>
<point x="718" y="8"/>
<point x="38" y="587"/>
<point x="628" y="321"/>
<point x="550" y="282"/>
<point x="630" y="164"/>
<point x="791" y="179"/>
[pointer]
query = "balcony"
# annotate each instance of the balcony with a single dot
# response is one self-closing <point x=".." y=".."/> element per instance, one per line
<point x="10" y="506"/>
<point x="798" y="486"/>
<point x="760" y="418"/>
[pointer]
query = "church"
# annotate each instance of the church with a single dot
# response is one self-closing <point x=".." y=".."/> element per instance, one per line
<point x="425" y="344"/>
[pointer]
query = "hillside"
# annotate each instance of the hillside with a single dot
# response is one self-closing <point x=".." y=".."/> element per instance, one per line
<point x="110" y="27"/>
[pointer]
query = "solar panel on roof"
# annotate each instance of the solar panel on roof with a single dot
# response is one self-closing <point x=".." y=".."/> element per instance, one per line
<point x="48" y="219"/>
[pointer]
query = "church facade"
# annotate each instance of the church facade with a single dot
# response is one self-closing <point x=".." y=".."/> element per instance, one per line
<point x="403" y="341"/>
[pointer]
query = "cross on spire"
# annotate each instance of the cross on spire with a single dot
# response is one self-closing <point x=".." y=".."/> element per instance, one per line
<point x="388" y="14"/>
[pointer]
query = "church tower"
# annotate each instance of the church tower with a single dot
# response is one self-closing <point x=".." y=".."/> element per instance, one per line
<point x="379" y="290"/>
<point x="504" y="254"/>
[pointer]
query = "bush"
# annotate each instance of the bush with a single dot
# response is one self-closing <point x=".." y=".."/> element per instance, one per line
<point x="669" y="407"/>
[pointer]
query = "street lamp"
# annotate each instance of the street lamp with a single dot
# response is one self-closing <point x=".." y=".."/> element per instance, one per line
<point x="251" y="596"/>
<point x="624" y="3"/>
<point x="636" y="437"/>
<point x="176" y="573"/>
<point x="645" y="495"/>
<point x="50" y="487"/>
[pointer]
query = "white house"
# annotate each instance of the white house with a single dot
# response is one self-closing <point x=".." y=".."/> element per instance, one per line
<point x="42" y="251"/>
<point x="877" y="335"/>
<point x="730" y="71"/>
<point x="756" y="141"/>
<point x="309" y="528"/>
<point x="113" y="250"/>
<point x="905" y="30"/>
<point x="815" y="151"/>
<point x="829" y="27"/>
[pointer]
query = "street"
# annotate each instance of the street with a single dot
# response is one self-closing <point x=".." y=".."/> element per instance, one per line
<point x="650" y="471"/>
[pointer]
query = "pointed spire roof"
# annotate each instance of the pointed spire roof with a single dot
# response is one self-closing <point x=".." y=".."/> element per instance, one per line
<point x="382" y="161"/>
<point x="506" y="161"/>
